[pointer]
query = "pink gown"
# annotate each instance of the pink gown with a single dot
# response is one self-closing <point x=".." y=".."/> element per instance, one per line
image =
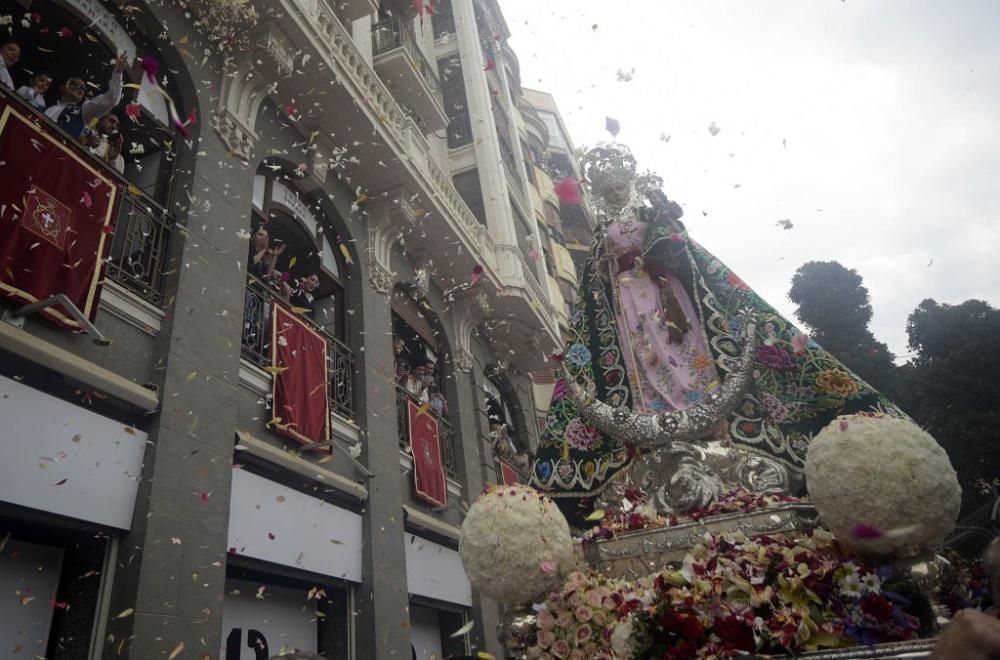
<point x="663" y="374"/>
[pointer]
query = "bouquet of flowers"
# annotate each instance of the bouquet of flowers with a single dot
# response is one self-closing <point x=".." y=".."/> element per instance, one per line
<point x="733" y="596"/>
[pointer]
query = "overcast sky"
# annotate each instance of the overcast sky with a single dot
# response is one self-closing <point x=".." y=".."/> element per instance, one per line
<point x="873" y="126"/>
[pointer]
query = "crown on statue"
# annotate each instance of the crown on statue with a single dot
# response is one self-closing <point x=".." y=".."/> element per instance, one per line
<point x="607" y="164"/>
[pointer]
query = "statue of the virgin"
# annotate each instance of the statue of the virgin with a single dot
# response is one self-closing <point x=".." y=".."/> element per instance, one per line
<point x="676" y="376"/>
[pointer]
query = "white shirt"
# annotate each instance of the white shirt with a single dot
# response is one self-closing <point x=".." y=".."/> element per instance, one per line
<point x="96" y="107"/>
<point x="5" y="78"/>
<point x="31" y="95"/>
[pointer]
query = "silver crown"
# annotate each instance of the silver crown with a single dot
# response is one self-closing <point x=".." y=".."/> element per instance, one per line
<point x="606" y="164"/>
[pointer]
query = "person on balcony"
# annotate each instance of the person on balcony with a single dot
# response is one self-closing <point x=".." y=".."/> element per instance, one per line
<point x="10" y="54"/>
<point x="34" y="91"/>
<point x="416" y="383"/>
<point x="302" y="297"/>
<point x="438" y="403"/>
<point x="73" y="112"/>
<point x="105" y="141"/>
<point x="263" y="258"/>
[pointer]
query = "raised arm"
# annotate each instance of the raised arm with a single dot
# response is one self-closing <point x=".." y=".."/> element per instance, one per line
<point x="102" y="104"/>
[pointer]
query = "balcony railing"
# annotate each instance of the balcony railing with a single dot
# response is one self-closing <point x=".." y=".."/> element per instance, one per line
<point x="394" y="33"/>
<point x="446" y="433"/>
<point x="459" y="130"/>
<point x="137" y="257"/>
<point x="139" y="247"/>
<point x="259" y="301"/>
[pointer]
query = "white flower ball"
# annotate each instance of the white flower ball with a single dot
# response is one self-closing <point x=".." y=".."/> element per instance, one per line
<point x="515" y="544"/>
<point x="882" y="484"/>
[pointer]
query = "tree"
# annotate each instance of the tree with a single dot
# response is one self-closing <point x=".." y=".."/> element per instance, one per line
<point x="952" y="387"/>
<point x="834" y="306"/>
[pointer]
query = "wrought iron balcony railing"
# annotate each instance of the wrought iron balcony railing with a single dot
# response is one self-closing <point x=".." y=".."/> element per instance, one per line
<point x="394" y="33"/>
<point x="139" y="247"/>
<point x="260" y="299"/>
<point x="446" y="433"/>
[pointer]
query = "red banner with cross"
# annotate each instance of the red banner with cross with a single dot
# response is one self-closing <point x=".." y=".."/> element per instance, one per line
<point x="428" y="468"/>
<point x="298" y="362"/>
<point x="57" y="211"/>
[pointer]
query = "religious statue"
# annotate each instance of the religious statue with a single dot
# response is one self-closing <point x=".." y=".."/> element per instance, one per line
<point x="676" y="377"/>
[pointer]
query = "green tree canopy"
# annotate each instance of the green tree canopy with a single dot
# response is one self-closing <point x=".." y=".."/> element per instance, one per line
<point x="834" y="306"/>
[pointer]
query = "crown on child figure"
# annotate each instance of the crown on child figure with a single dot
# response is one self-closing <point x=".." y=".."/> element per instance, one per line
<point x="607" y="164"/>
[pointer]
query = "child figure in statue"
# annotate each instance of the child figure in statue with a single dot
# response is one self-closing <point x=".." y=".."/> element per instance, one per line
<point x="675" y="369"/>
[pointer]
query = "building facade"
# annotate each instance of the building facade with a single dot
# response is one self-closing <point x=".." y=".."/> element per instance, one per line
<point x="331" y="275"/>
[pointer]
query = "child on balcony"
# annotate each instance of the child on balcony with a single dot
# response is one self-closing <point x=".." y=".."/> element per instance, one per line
<point x="34" y="91"/>
<point x="73" y="112"/>
<point x="105" y="141"/>
<point x="10" y="53"/>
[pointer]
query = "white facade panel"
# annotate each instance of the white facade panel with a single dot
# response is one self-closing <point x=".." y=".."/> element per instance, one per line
<point x="435" y="571"/>
<point x="64" y="459"/>
<point x="275" y="523"/>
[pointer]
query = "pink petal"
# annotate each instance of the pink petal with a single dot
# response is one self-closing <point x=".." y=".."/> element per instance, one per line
<point x="568" y="191"/>
<point x="866" y="531"/>
<point x="151" y="67"/>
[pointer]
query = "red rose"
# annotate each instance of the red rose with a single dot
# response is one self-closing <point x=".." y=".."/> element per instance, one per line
<point x="876" y="606"/>
<point x="734" y="634"/>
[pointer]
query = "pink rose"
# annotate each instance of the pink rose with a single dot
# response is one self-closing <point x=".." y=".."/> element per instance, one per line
<point x="583" y="613"/>
<point x="577" y="654"/>
<point x="546" y="638"/>
<point x="545" y="620"/>
<point x="596" y="596"/>
<point x="583" y="634"/>
<point x="564" y="619"/>
<point x="533" y="652"/>
<point x="609" y="604"/>
<point x="576" y="578"/>
<point x="561" y="648"/>
<point x="590" y="650"/>
<point x="600" y="618"/>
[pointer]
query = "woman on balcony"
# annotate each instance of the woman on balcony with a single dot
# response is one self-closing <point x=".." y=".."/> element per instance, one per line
<point x="10" y="54"/>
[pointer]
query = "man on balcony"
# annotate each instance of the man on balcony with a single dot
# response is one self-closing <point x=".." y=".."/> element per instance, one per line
<point x="73" y="112"/>
<point x="416" y="383"/>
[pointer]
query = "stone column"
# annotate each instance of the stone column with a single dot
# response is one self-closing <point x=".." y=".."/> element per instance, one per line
<point x="499" y="219"/>
<point x="171" y="574"/>
<point x="382" y="621"/>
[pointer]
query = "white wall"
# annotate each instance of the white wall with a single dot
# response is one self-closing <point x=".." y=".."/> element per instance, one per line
<point x="275" y="523"/>
<point x="62" y="458"/>
<point x="29" y="578"/>
<point x="425" y="632"/>
<point x="285" y="617"/>
<point x="435" y="571"/>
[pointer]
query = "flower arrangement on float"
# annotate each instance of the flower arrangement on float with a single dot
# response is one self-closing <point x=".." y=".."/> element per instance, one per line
<point x="639" y="514"/>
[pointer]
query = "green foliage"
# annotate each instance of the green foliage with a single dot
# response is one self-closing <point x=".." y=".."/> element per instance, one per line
<point x="835" y="307"/>
<point x="952" y="388"/>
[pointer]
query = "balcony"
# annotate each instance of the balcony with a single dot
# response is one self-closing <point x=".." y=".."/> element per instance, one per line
<point x="401" y="64"/>
<point x="460" y="131"/>
<point x="137" y="257"/>
<point x="446" y="433"/>
<point x="260" y="299"/>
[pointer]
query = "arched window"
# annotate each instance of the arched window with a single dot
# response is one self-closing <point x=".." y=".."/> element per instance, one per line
<point x="294" y="251"/>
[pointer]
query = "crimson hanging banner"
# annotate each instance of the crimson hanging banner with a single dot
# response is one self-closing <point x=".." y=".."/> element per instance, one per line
<point x="298" y="362"/>
<point x="57" y="210"/>
<point x="428" y="469"/>
<point x="508" y="475"/>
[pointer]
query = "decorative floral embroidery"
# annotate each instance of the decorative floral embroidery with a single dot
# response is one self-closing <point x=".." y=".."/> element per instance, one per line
<point x="581" y="435"/>
<point x="578" y="354"/>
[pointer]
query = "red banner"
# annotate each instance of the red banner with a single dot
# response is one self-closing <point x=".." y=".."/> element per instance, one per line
<point x="57" y="209"/>
<point x="298" y="361"/>
<point x="508" y="475"/>
<point x="428" y="469"/>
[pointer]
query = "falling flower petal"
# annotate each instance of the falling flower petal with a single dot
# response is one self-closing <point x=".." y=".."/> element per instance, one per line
<point x="713" y="129"/>
<point x="477" y="274"/>
<point x="151" y="67"/>
<point x="866" y="531"/>
<point x="568" y="191"/>
<point x="612" y="126"/>
<point x="598" y="514"/>
<point x="464" y="629"/>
